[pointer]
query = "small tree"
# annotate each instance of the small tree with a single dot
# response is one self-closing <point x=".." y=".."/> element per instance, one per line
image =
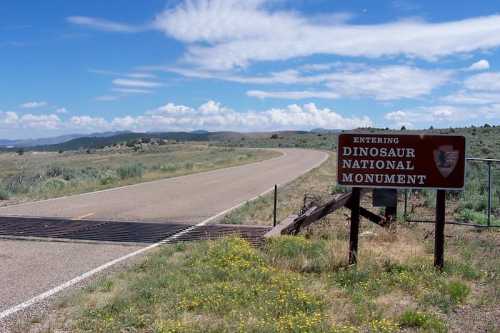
<point x="403" y="128"/>
<point x="20" y="151"/>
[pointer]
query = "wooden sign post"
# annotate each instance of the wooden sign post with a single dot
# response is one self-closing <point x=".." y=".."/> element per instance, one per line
<point x="439" y="229"/>
<point x="367" y="160"/>
<point x="354" y="233"/>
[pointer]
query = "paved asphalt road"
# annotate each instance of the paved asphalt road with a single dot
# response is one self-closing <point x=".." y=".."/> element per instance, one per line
<point x="30" y="268"/>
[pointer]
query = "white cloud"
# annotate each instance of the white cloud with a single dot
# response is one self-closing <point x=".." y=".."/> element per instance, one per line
<point x="141" y="75"/>
<point x="480" y="65"/>
<point x="224" y="34"/>
<point x="214" y="116"/>
<point x="478" y="89"/>
<point x="356" y="80"/>
<point x="134" y="75"/>
<point x="212" y="108"/>
<point x="290" y="76"/>
<point x="107" y="98"/>
<point x="33" y="105"/>
<point x="472" y="98"/>
<point x="88" y="122"/>
<point x="136" y="83"/>
<point x="132" y="91"/>
<point x="104" y="25"/>
<point x="420" y="117"/>
<point x="240" y="32"/>
<point x="127" y="122"/>
<point x="8" y="118"/>
<point x="61" y="110"/>
<point x="13" y="120"/>
<point x="44" y="121"/>
<point x="292" y="94"/>
<point x="388" y="83"/>
<point x="399" y="118"/>
<point x="210" y="115"/>
<point x="171" y="108"/>
<point x="484" y="82"/>
<point x="444" y="116"/>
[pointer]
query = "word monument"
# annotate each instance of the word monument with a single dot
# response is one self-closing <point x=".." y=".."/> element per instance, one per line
<point x="411" y="161"/>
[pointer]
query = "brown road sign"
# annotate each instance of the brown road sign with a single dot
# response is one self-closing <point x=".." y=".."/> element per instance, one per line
<point x="401" y="160"/>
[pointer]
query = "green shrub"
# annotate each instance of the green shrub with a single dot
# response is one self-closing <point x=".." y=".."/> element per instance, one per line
<point x="471" y="216"/>
<point x="53" y="185"/>
<point x="298" y="253"/>
<point x="463" y="268"/>
<point x="108" y="177"/>
<point x="383" y="326"/>
<point x="293" y="246"/>
<point x="89" y="173"/>
<point x="427" y="322"/>
<point x="54" y="171"/>
<point x="169" y="167"/>
<point x="350" y="277"/>
<point x="4" y="194"/>
<point x="447" y="295"/>
<point x="135" y="170"/>
<point x="457" y="291"/>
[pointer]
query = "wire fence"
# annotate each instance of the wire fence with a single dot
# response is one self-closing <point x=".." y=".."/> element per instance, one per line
<point x="477" y="205"/>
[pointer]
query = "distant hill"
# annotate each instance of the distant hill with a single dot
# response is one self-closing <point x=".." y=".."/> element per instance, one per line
<point x="96" y="142"/>
<point x="100" y="140"/>
<point x="38" y="142"/>
<point x="324" y="131"/>
<point x="5" y="143"/>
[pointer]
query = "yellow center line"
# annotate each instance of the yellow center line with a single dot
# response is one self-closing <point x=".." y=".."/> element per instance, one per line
<point x="83" y="216"/>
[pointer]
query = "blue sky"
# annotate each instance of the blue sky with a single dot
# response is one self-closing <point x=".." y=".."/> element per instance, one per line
<point x="254" y="65"/>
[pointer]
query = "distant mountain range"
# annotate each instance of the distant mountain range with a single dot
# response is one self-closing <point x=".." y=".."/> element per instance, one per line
<point x="100" y="140"/>
<point x="5" y="143"/>
<point x="325" y="131"/>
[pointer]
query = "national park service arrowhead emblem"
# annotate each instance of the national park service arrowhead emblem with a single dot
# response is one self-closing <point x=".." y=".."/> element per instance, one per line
<point x="446" y="159"/>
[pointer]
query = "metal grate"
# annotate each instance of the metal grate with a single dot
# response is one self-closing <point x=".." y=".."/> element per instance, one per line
<point x="253" y="234"/>
<point x="115" y="231"/>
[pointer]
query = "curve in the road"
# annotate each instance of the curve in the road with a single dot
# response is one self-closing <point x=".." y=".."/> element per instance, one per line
<point x="199" y="198"/>
<point x="190" y="198"/>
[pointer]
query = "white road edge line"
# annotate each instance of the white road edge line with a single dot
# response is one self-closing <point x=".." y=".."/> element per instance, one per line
<point x="74" y="281"/>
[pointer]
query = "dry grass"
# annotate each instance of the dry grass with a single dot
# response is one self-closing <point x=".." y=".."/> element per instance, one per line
<point x="40" y="175"/>
<point x="394" y="287"/>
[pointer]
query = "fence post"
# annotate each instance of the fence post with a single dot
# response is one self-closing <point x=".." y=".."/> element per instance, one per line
<point x="489" y="193"/>
<point x="275" y="204"/>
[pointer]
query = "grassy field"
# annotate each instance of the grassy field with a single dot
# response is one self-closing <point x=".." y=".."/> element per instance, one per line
<point x="296" y="284"/>
<point x="40" y="175"/>
<point x="299" y="284"/>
